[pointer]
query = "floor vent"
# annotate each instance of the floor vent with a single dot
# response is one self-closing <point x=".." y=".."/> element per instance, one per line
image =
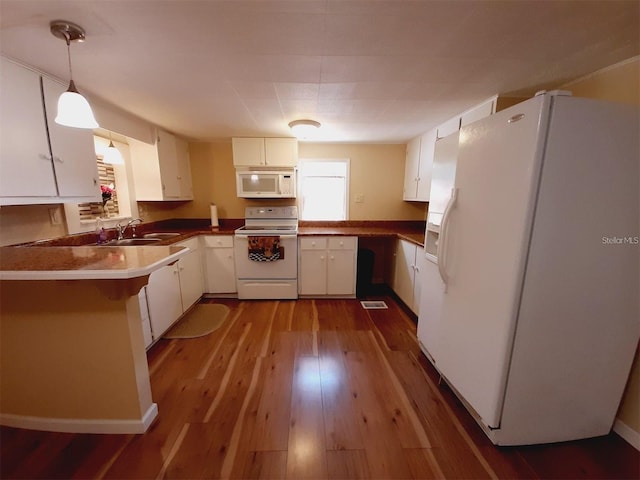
<point x="373" y="305"/>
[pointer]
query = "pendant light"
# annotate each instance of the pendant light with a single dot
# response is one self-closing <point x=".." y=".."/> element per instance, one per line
<point x="73" y="108"/>
<point x="112" y="155"/>
<point x="303" y="129"/>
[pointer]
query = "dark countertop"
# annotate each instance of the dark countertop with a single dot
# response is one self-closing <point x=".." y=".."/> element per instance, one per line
<point x="412" y="231"/>
<point x="411" y="235"/>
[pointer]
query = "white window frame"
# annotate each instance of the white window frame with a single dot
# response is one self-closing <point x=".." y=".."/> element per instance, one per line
<point x="127" y="205"/>
<point x="346" y="161"/>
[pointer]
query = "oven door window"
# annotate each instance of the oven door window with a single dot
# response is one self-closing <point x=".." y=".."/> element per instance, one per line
<point x="259" y="183"/>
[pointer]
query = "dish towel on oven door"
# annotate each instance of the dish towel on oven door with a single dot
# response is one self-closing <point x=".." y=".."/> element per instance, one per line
<point x="265" y="249"/>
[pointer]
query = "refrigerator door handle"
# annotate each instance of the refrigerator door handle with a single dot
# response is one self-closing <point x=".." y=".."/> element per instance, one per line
<point x="442" y="241"/>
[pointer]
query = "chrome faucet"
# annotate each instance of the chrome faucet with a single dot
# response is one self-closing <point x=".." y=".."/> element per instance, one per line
<point x="122" y="229"/>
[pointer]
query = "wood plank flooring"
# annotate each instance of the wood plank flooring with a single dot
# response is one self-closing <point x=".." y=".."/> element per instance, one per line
<point x="307" y="389"/>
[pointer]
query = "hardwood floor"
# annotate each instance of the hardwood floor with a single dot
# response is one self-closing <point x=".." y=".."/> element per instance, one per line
<point x="307" y="389"/>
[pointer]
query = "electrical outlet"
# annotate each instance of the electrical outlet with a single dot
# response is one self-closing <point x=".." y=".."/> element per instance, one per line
<point x="359" y="198"/>
<point x="54" y="216"/>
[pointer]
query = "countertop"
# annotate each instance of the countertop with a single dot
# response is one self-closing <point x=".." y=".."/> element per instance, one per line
<point x="75" y="257"/>
<point x="411" y="235"/>
<point x="84" y="262"/>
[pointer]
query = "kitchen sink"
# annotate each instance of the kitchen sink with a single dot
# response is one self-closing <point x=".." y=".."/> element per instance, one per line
<point x="160" y="235"/>
<point x="128" y="242"/>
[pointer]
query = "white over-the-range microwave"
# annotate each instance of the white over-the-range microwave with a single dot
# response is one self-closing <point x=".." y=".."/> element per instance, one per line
<point x="266" y="183"/>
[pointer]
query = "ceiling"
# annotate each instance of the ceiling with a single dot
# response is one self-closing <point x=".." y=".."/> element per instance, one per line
<point x="369" y="71"/>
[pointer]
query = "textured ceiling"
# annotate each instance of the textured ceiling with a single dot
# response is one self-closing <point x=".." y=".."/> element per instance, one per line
<point x="369" y="71"/>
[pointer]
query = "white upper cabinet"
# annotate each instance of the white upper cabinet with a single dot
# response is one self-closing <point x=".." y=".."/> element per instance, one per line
<point x="420" y="150"/>
<point x="30" y="171"/>
<point x="479" y="112"/>
<point x="74" y="156"/>
<point x="265" y="152"/>
<point x="449" y="127"/>
<point x="281" y="152"/>
<point x="161" y="171"/>
<point x="184" y="168"/>
<point x="411" y="166"/>
<point x="427" y="146"/>
<point x="418" y="163"/>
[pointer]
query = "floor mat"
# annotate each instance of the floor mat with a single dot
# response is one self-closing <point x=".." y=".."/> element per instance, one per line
<point x="202" y="320"/>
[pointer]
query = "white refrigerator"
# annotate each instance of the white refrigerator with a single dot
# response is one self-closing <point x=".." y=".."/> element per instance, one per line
<point x="539" y="266"/>
<point x="443" y="173"/>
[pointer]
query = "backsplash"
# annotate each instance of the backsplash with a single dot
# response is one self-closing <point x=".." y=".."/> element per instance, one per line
<point x="28" y="223"/>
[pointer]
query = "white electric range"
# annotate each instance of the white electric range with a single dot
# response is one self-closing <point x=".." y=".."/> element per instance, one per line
<point x="267" y="276"/>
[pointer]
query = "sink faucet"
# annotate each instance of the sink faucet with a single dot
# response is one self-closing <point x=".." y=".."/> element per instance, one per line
<point x="122" y="229"/>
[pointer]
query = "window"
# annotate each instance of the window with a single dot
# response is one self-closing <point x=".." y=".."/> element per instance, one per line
<point x="323" y="191"/>
<point x="81" y="217"/>
<point x="108" y="208"/>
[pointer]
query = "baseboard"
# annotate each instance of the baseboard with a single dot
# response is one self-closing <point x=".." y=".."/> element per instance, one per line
<point x="627" y="433"/>
<point x="74" y="425"/>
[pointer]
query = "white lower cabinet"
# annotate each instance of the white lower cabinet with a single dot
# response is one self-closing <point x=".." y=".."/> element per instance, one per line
<point x="220" y="270"/>
<point x="327" y="266"/>
<point x="173" y="289"/>
<point x="409" y="262"/>
<point x="144" y="316"/>
<point x="163" y="296"/>
<point x="190" y="274"/>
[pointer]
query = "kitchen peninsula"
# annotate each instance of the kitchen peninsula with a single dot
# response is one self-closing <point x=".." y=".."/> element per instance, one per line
<point x="72" y="351"/>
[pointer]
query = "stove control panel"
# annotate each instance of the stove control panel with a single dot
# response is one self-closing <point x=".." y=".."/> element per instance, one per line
<point x="271" y="212"/>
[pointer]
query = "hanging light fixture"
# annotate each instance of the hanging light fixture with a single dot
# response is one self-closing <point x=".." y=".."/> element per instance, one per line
<point x="73" y="108"/>
<point x="303" y="129"/>
<point x="112" y="155"/>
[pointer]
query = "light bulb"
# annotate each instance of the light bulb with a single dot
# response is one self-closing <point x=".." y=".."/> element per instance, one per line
<point x="74" y="110"/>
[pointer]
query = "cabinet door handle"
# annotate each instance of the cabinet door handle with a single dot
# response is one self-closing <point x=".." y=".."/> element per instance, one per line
<point x="43" y="156"/>
<point x="58" y="159"/>
<point x="332" y="257"/>
<point x="95" y="182"/>
<point x="321" y="257"/>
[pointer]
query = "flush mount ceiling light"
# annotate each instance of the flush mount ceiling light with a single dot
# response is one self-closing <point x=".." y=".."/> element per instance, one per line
<point x="112" y="155"/>
<point x="302" y="129"/>
<point x="73" y="108"/>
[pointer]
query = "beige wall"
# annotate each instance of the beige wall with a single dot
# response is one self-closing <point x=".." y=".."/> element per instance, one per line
<point x="619" y="83"/>
<point x="26" y="223"/>
<point x="377" y="173"/>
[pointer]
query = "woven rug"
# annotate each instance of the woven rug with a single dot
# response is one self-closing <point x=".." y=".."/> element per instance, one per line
<point x="202" y="320"/>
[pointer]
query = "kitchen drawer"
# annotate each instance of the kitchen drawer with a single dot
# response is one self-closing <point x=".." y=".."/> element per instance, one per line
<point x="191" y="243"/>
<point x="218" y="241"/>
<point x="343" y="243"/>
<point x="313" y="243"/>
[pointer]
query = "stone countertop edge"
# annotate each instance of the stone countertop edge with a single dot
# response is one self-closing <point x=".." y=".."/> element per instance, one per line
<point x="415" y="237"/>
<point x="114" y="263"/>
